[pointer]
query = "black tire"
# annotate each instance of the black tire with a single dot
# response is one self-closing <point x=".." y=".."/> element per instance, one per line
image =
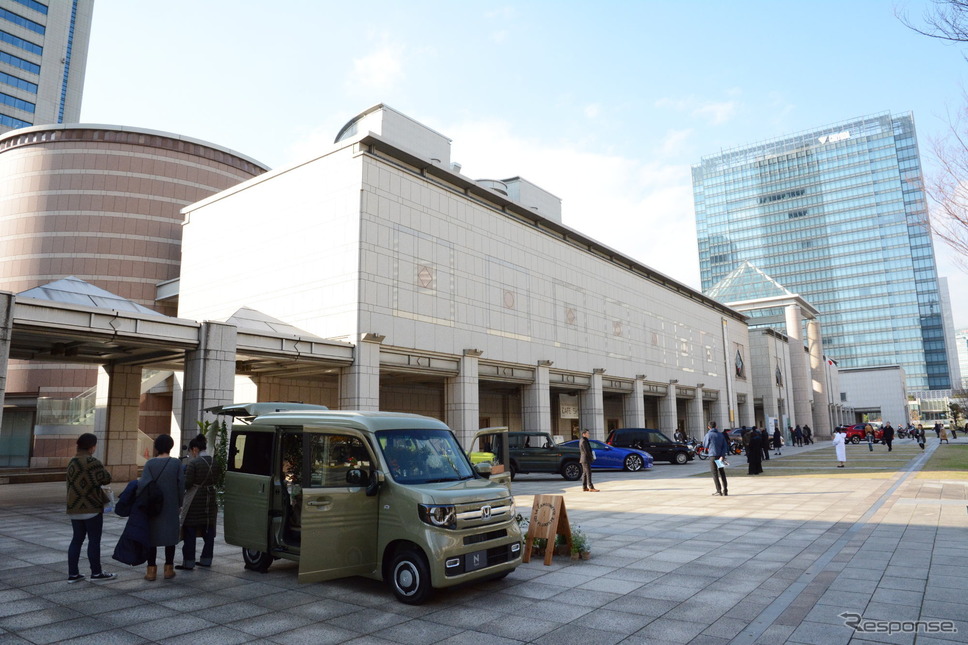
<point x="633" y="463"/>
<point x="410" y="577"/>
<point x="571" y="471"/>
<point x="514" y="471"/>
<point x="257" y="560"/>
<point x="855" y="439"/>
<point x="680" y="458"/>
<point x="702" y="454"/>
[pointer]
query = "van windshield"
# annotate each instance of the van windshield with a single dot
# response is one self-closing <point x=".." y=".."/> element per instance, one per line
<point x="423" y="456"/>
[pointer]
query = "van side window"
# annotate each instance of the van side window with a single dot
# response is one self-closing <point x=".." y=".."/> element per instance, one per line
<point x="251" y="452"/>
<point x="332" y="456"/>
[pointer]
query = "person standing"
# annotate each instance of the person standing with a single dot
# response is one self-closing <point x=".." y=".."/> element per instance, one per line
<point x="807" y="434"/>
<point x="765" y="443"/>
<point x="777" y="440"/>
<point x="887" y="436"/>
<point x="754" y="452"/>
<point x="840" y="446"/>
<point x="798" y="437"/>
<point x="200" y="507"/>
<point x="163" y="528"/>
<point x="919" y="435"/>
<point x="715" y="444"/>
<point x="85" y="507"/>
<point x="937" y="429"/>
<point x="586" y="458"/>
<point x="869" y="435"/>
<point x="943" y="436"/>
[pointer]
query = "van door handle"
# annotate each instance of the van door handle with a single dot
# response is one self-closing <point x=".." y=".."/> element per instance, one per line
<point x="319" y="502"/>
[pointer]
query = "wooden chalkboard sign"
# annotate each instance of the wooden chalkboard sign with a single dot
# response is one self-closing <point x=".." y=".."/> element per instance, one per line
<point x="549" y="519"/>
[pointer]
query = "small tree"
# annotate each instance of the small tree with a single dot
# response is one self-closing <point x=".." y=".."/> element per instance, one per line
<point x="216" y="433"/>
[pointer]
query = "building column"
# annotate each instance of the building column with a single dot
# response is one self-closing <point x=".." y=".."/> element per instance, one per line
<point x="593" y="407"/>
<point x="800" y="387"/>
<point x="748" y="412"/>
<point x="818" y="371"/>
<point x="359" y="384"/>
<point x="7" y="301"/>
<point x="463" y="408"/>
<point x="720" y="411"/>
<point x="668" y="413"/>
<point x="696" y="424"/>
<point x="536" y="400"/>
<point x="634" y="408"/>
<point x="120" y="433"/>
<point x="209" y="374"/>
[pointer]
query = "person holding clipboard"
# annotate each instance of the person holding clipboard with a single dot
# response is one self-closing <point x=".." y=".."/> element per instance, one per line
<point x="715" y="445"/>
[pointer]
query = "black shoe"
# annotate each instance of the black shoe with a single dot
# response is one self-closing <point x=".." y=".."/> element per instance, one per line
<point x="103" y="576"/>
<point x="725" y="494"/>
<point x="75" y="578"/>
<point x="202" y="564"/>
<point x="182" y="567"/>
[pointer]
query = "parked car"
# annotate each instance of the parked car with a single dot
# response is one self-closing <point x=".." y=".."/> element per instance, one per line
<point x="614" y="458"/>
<point x="858" y="432"/>
<point x="654" y="442"/>
<point x="537" y="452"/>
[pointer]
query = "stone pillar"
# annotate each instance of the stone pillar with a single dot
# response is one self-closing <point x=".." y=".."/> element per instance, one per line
<point x="634" y="408"/>
<point x="818" y="372"/>
<point x="7" y="301"/>
<point x="696" y="425"/>
<point x="536" y="400"/>
<point x="463" y="410"/>
<point x="593" y="407"/>
<point x="360" y="382"/>
<point x="122" y="447"/>
<point x="209" y="374"/>
<point x="799" y="388"/>
<point x="747" y="412"/>
<point x="668" y="413"/>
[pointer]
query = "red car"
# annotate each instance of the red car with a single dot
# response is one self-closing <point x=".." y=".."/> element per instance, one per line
<point x="857" y="433"/>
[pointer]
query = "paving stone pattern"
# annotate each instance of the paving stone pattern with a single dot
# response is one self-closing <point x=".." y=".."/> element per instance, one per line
<point x="777" y="561"/>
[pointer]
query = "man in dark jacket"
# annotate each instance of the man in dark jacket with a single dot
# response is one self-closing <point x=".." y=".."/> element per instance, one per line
<point x="888" y="436"/>
<point x="715" y="445"/>
<point x="586" y="458"/>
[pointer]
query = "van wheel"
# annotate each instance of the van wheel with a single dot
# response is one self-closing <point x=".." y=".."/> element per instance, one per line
<point x="680" y="458"/>
<point x="256" y="560"/>
<point x="514" y="472"/>
<point x="571" y="471"/>
<point x="410" y="577"/>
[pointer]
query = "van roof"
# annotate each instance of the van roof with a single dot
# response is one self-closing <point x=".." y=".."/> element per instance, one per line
<point x="362" y="419"/>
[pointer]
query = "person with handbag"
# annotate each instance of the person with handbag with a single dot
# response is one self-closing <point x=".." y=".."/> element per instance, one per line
<point x="85" y="506"/>
<point x="715" y="444"/>
<point x="200" y="507"/>
<point x="164" y="475"/>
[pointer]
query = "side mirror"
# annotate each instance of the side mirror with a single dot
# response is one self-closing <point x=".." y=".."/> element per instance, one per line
<point x="483" y="469"/>
<point x="374" y="485"/>
<point x="357" y="477"/>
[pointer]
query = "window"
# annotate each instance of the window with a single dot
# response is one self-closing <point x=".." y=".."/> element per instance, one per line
<point x="23" y="22"/>
<point x="251" y="452"/>
<point x="332" y="456"/>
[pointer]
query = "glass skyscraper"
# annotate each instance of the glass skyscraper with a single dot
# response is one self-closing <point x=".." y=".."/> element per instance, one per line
<point x="837" y="215"/>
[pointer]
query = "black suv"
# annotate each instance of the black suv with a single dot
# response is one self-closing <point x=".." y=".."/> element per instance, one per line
<point x="652" y="441"/>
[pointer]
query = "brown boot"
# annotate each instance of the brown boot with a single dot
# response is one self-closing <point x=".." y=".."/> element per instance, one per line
<point x="169" y="571"/>
<point x="152" y="573"/>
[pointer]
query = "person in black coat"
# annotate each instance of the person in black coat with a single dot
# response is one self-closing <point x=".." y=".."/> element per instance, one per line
<point x="777" y="440"/>
<point x="765" y="442"/>
<point x="134" y="544"/>
<point x="586" y="457"/>
<point x="887" y="436"/>
<point x="754" y="453"/>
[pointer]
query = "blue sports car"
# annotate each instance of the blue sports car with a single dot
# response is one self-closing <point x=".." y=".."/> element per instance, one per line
<point x="614" y="458"/>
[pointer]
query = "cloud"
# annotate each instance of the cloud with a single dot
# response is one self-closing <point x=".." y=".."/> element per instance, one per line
<point x="644" y="210"/>
<point x="500" y="36"/>
<point x="674" y="142"/>
<point x="593" y="110"/>
<point x="714" y="112"/>
<point x="381" y="69"/>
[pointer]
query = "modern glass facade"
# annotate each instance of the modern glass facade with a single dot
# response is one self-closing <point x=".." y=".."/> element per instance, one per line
<point x="43" y="52"/>
<point x="837" y="215"/>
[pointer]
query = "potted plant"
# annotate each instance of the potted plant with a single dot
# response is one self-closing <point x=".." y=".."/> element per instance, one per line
<point x="579" y="544"/>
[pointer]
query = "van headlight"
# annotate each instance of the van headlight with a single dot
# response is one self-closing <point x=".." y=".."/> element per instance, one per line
<point x="440" y="515"/>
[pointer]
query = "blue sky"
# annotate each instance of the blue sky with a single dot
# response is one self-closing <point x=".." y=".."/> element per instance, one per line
<point x="605" y="104"/>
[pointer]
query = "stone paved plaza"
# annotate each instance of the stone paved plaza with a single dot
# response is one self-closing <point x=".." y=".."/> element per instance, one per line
<point x="777" y="561"/>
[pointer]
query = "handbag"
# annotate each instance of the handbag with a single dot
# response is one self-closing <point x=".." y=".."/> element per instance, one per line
<point x="109" y="501"/>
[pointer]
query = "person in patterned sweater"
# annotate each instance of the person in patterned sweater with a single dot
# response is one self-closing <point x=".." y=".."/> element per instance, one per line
<point x="85" y="507"/>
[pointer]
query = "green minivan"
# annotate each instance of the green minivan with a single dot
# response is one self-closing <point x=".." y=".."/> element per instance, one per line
<point x="384" y="495"/>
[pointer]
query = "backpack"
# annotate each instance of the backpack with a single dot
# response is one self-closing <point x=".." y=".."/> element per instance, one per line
<point x="151" y="499"/>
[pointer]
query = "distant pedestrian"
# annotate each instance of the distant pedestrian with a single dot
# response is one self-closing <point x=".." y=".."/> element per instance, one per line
<point x="163" y="528"/>
<point x="869" y="435"/>
<point x="765" y="443"/>
<point x="200" y="506"/>
<point x="85" y="507"/>
<point x="954" y="430"/>
<point x="715" y="444"/>
<point x="807" y="434"/>
<point x="887" y="436"/>
<point x="840" y="446"/>
<point x="944" y="435"/>
<point x="754" y="452"/>
<point x="586" y="457"/>
<point x="919" y="435"/>
<point x="798" y="436"/>
<point x="777" y="440"/>
<point x="937" y="429"/>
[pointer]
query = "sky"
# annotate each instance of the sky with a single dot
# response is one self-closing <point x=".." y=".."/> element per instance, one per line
<point x="607" y="105"/>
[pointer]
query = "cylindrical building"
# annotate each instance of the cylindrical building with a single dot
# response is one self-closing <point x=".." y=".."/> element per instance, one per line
<point x="101" y="203"/>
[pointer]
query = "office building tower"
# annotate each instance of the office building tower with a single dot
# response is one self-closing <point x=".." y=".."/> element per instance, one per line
<point x="961" y="343"/>
<point x="43" y="53"/>
<point x="838" y="216"/>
